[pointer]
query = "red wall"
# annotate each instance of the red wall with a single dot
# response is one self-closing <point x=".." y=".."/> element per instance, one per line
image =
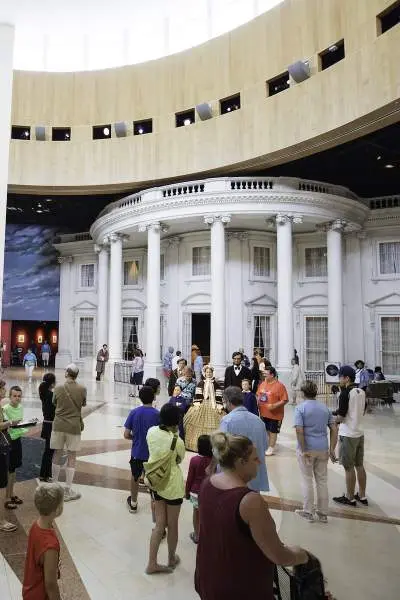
<point x="6" y="339"/>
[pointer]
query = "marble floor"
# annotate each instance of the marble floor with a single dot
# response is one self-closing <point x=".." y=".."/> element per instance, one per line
<point x="104" y="548"/>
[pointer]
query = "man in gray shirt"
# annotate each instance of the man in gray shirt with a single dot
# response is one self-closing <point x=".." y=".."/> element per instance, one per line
<point x="239" y="421"/>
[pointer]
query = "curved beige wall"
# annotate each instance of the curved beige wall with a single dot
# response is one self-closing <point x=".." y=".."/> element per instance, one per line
<point x="354" y="96"/>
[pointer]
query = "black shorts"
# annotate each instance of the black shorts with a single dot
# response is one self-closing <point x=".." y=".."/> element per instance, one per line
<point x="137" y="468"/>
<point x="4" y="462"/>
<point x="175" y="502"/>
<point x="15" y="455"/>
<point x="137" y="378"/>
<point x="272" y="425"/>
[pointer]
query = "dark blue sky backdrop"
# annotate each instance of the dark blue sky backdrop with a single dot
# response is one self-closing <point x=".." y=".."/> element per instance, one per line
<point x="31" y="274"/>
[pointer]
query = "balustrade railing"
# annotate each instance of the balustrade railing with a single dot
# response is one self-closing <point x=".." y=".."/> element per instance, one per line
<point x="384" y="202"/>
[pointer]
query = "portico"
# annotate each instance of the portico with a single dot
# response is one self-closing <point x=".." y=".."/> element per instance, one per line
<point x="214" y="245"/>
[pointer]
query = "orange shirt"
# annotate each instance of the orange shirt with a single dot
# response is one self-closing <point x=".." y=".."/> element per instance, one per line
<point x="271" y="393"/>
<point x="39" y="541"/>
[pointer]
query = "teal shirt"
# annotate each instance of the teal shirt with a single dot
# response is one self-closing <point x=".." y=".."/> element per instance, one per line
<point x="13" y="413"/>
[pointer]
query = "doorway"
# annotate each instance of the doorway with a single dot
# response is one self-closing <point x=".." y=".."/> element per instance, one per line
<point x="201" y="332"/>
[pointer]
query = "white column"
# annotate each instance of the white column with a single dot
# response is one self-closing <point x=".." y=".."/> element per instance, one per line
<point x="234" y="292"/>
<point x="115" y="314"/>
<point x="284" y="295"/>
<point x="153" y="360"/>
<point x="6" y="79"/>
<point x="218" y="300"/>
<point x="174" y="319"/>
<point x="335" y="292"/>
<point x="102" y="295"/>
<point x="65" y="340"/>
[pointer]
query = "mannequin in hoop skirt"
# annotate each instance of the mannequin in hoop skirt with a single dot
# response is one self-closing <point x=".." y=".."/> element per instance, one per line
<point x="205" y="415"/>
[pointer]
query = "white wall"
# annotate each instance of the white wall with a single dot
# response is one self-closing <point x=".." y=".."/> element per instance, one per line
<point x="367" y="295"/>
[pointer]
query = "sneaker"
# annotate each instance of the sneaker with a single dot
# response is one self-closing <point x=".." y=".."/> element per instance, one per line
<point x="270" y="452"/>
<point x="344" y="500"/>
<point x="70" y="495"/>
<point x="363" y="501"/>
<point x="305" y="515"/>
<point x="132" y="506"/>
<point x="320" y="517"/>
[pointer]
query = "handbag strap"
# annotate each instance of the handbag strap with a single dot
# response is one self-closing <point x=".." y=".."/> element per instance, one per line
<point x="174" y="442"/>
<point x="70" y="397"/>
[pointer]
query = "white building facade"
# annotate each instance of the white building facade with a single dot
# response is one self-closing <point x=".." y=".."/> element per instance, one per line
<point x="270" y="263"/>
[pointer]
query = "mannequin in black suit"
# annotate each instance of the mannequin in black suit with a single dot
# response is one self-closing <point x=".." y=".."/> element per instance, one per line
<point x="235" y="374"/>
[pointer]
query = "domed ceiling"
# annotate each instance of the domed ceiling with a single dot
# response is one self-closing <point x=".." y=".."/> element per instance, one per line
<point x="79" y="35"/>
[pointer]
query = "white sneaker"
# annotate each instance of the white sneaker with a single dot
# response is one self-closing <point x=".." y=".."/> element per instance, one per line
<point x="70" y="495"/>
<point x="270" y="451"/>
<point x="320" y="517"/>
<point x="305" y="515"/>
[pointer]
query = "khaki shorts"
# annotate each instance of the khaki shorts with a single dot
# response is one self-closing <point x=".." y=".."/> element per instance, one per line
<point x="351" y="451"/>
<point x="60" y="440"/>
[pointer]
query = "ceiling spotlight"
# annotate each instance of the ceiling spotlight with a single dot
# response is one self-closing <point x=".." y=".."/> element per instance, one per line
<point x="389" y="166"/>
<point x="39" y="205"/>
<point x="187" y="122"/>
<point x="140" y="130"/>
<point x="49" y="200"/>
<point x="379" y="157"/>
<point x="26" y="133"/>
<point x="106" y="131"/>
<point x="333" y="48"/>
<point x="67" y="136"/>
<point x="39" y="211"/>
<point x="228" y="109"/>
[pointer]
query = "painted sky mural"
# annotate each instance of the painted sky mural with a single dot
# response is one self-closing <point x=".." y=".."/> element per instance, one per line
<point x="31" y="274"/>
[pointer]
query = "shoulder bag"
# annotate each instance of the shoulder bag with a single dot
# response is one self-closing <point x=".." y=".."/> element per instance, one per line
<point x="158" y="471"/>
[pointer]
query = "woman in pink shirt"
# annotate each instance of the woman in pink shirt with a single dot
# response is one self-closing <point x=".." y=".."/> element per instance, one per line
<point x="196" y="475"/>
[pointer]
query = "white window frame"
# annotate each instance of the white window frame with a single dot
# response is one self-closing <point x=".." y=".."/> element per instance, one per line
<point x="79" y="275"/>
<point x="381" y="312"/>
<point x="314" y="277"/>
<point x="130" y="316"/>
<point x="93" y="318"/>
<point x="303" y="356"/>
<point x="139" y="284"/>
<point x="302" y="246"/>
<point x="258" y="243"/>
<point x="266" y="316"/>
<point x="191" y="250"/>
<point x="379" y="275"/>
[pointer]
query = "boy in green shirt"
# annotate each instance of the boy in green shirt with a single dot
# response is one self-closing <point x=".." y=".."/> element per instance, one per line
<point x="14" y="413"/>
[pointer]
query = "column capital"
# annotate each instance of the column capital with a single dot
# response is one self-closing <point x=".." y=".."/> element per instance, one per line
<point x="64" y="259"/>
<point x="211" y="219"/>
<point x="282" y="219"/>
<point x="99" y="247"/>
<point x="155" y="226"/>
<point x="173" y="242"/>
<point x="116" y="237"/>
<point x="336" y="225"/>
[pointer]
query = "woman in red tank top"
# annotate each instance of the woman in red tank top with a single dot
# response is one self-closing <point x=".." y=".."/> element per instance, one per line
<point x="239" y="545"/>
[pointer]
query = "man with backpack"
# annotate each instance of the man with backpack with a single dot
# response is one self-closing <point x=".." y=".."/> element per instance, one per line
<point x="352" y="405"/>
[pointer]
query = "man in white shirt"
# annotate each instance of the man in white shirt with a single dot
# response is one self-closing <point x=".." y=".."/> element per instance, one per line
<point x="352" y="404"/>
<point x="175" y="360"/>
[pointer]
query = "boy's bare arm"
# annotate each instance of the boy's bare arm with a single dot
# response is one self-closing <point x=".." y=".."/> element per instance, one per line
<point x="50" y="568"/>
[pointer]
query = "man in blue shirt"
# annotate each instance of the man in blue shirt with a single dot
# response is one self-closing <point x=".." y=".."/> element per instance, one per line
<point x="240" y="421"/>
<point x="137" y="424"/>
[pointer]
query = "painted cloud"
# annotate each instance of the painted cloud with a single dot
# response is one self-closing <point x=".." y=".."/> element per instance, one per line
<point x="31" y="274"/>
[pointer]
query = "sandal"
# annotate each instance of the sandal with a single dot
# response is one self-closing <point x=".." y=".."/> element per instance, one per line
<point x="10" y="505"/>
<point x="7" y="527"/>
<point x="16" y="500"/>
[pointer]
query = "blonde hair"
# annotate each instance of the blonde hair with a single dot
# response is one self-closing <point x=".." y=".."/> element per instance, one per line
<point x="48" y="497"/>
<point x="227" y="449"/>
